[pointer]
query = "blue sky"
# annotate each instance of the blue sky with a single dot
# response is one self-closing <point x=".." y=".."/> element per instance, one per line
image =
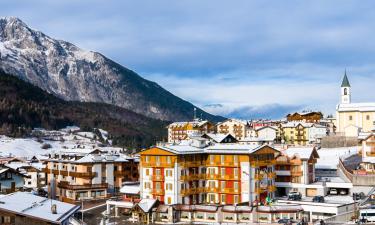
<point x="243" y="58"/>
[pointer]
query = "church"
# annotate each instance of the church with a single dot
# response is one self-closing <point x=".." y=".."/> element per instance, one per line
<point x="353" y="118"/>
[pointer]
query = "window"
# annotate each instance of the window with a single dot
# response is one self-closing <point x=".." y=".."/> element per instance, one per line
<point x="368" y="117"/>
<point x="212" y="159"/>
<point x="222" y="172"/>
<point x="147" y="159"/>
<point x="147" y="172"/>
<point x="345" y="91"/>
<point x="350" y="117"/>
<point x="235" y="159"/>
<point x="158" y="186"/>
<point x="147" y="185"/>
<point x="211" y="184"/>
<point x="168" y="173"/>
<point x="169" y="186"/>
<point x="157" y="172"/>
<point x="169" y="160"/>
<point x="222" y="159"/>
<point x="223" y="185"/>
<point x="235" y="185"/>
<point x="223" y="198"/>
<point x="169" y="201"/>
<point x="235" y="199"/>
<point x="235" y="172"/>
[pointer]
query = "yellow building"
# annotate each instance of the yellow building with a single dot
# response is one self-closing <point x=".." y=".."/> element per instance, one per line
<point x="352" y="118"/>
<point x="295" y="133"/>
<point x="197" y="173"/>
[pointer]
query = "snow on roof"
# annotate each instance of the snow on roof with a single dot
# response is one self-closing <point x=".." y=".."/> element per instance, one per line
<point x="365" y="106"/>
<point x="146" y="204"/>
<point x="217" y="137"/>
<point x="329" y="157"/>
<point x="29" y="205"/>
<point x="130" y="189"/>
<point x="214" y="148"/>
<point x="301" y="152"/>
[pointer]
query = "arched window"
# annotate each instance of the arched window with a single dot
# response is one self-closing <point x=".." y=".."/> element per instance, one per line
<point x="345" y="91"/>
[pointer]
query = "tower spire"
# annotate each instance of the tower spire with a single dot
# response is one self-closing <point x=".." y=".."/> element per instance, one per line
<point x="345" y="81"/>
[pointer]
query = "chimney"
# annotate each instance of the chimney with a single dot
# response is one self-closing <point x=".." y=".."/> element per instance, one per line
<point x="54" y="209"/>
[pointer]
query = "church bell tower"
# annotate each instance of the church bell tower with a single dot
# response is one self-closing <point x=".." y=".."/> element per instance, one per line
<point x="345" y="90"/>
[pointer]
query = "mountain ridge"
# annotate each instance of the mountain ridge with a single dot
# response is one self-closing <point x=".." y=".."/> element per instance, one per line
<point x="73" y="74"/>
<point x="24" y="106"/>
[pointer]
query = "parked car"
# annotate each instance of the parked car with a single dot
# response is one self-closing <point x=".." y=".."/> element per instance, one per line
<point x="283" y="221"/>
<point x="294" y="196"/>
<point x="318" y="198"/>
<point x="333" y="191"/>
<point x="343" y="192"/>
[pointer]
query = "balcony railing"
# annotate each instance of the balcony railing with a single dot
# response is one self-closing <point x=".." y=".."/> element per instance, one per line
<point x="66" y="185"/>
<point x="212" y="189"/>
<point x="157" y="177"/>
<point x="70" y="173"/>
<point x="158" y="164"/>
<point x="263" y="163"/>
<point x="158" y="191"/>
<point x="192" y="177"/>
<point x="230" y="190"/>
<point x="212" y="176"/>
<point x="296" y="173"/>
<point x="190" y="164"/>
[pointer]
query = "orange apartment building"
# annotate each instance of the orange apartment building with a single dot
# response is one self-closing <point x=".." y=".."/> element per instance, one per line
<point x="98" y="175"/>
<point x="197" y="173"/>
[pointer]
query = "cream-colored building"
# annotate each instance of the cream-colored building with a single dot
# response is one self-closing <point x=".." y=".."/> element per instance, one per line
<point x="352" y="118"/>
<point x="237" y="128"/>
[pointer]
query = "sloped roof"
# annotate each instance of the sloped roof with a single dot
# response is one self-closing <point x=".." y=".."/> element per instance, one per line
<point x="345" y="81"/>
<point x="302" y="152"/>
<point x="146" y="204"/>
<point x="29" y="205"/>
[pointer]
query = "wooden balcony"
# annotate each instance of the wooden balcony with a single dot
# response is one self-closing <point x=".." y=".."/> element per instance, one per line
<point x="66" y="185"/>
<point x="157" y="164"/>
<point x="263" y="163"/>
<point x="158" y="191"/>
<point x="157" y="177"/>
<point x="190" y="177"/>
<point x="271" y="175"/>
<point x="212" y="189"/>
<point x="192" y="191"/>
<point x="212" y="176"/>
<point x="271" y="188"/>
<point x="296" y="173"/>
<point x="188" y="164"/>
<point x="230" y="191"/>
<point x="70" y="173"/>
<point x="229" y="177"/>
<point x="121" y="172"/>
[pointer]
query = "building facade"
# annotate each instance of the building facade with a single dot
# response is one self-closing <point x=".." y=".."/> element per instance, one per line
<point x="195" y="173"/>
<point x="74" y="177"/>
<point x="179" y="131"/>
<point x="237" y="128"/>
<point x="353" y="118"/>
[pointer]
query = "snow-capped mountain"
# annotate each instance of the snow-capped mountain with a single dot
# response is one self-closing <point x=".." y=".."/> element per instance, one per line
<point x="74" y="74"/>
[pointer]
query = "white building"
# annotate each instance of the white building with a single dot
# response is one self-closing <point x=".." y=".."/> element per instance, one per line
<point x="353" y="118"/>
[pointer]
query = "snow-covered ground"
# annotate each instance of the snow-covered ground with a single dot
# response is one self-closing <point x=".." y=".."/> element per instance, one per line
<point x="329" y="157"/>
<point x="62" y="140"/>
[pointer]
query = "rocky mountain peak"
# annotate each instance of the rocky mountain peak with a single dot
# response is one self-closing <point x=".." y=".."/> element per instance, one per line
<point x="73" y="74"/>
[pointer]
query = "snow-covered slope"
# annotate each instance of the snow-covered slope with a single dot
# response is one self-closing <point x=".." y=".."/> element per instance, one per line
<point x="71" y="73"/>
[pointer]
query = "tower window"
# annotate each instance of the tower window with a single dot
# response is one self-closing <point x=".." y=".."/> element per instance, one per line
<point x="368" y="117"/>
<point x="350" y="117"/>
<point x="345" y="91"/>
